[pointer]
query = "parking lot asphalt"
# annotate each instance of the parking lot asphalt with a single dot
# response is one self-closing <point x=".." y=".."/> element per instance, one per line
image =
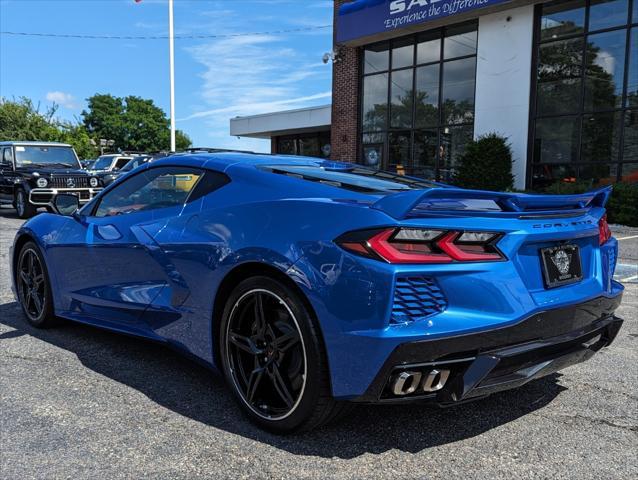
<point x="78" y="402"/>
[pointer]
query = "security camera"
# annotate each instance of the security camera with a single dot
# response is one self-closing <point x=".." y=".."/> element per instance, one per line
<point x="326" y="57"/>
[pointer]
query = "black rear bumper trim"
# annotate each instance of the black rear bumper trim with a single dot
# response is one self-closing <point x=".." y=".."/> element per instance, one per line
<point x="500" y="359"/>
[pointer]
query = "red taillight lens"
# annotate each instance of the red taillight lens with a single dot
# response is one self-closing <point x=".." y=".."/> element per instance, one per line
<point x="604" y="233"/>
<point x="412" y="245"/>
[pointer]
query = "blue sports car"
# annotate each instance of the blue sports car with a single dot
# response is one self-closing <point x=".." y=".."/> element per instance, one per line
<point x="313" y="285"/>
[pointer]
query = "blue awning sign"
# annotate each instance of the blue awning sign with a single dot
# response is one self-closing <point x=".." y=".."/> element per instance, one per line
<point x="363" y="18"/>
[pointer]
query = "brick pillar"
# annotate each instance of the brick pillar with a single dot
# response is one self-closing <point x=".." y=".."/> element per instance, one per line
<point x="273" y="145"/>
<point x="345" y="100"/>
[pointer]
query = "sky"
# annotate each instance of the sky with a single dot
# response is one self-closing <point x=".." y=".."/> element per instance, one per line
<point x="216" y="78"/>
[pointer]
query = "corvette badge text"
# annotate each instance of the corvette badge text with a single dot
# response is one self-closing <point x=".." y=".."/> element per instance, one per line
<point x="419" y="10"/>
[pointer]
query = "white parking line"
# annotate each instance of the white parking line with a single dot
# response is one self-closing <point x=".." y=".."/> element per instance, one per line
<point x="629" y="279"/>
<point x="627" y="238"/>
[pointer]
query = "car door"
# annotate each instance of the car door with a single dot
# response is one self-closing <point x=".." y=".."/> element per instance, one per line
<point x="116" y="269"/>
<point x="6" y="175"/>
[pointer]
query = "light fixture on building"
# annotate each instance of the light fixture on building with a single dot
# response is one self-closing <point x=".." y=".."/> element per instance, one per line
<point x="334" y="55"/>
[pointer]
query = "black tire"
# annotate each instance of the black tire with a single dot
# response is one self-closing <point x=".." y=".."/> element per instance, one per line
<point x="21" y="202"/>
<point x="313" y="403"/>
<point x="34" y="282"/>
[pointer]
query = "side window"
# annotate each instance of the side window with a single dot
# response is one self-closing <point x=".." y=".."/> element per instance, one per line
<point x="7" y="156"/>
<point x="149" y="190"/>
<point x="121" y="162"/>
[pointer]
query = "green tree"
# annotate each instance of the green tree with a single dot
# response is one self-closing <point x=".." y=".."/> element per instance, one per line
<point x="21" y="120"/>
<point x="134" y="123"/>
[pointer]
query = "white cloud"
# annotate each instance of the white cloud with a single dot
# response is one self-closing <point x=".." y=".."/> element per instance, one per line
<point x="63" y="99"/>
<point x="253" y="74"/>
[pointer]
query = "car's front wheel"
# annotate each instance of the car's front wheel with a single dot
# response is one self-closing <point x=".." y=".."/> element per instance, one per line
<point x="23" y="207"/>
<point x="273" y="357"/>
<point x="34" y="289"/>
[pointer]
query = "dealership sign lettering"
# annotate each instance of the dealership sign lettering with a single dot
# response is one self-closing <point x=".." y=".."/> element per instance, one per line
<point x="363" y="18"/>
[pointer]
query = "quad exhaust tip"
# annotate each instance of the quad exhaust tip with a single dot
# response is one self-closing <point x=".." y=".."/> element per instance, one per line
<point x="409" y="382"/>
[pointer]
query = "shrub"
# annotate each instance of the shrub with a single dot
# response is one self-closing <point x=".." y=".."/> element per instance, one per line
<point x="623" y="205"/>
<point x="564" y="188"/>
<point x="486" y="164"/>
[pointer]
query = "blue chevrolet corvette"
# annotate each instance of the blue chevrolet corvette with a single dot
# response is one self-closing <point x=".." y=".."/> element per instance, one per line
<point x="313" y="285"/>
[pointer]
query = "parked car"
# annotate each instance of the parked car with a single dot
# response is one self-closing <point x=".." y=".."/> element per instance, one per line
<point x="313" y="285"/>
<point x="132" y="164"/>
<point x="87" y="164"/>
<point x="32" y="173"/>
<point x="110" y="163"/>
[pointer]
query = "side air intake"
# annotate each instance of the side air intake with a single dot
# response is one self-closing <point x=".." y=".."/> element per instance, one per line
<point x="416" y="298"/>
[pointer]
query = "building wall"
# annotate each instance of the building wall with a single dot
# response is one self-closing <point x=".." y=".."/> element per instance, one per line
<point x="345" y="101"/>
<point x="503" y="80"/>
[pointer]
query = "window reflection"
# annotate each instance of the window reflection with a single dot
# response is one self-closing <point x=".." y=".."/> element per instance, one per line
<point x="401" y="98"/>
<point x="559" y="76"/>
<point x="563" y="18"/>
<point x="601" y="138"/>
<point x="376" y="59"/>
<point x="430" y="88"/>
<point x="375" y="102"/>
<point x="605" y="70"/>
<point x="427" y="96"/>
<point x="632" y="79"/>
<point x="458" y="91"/>
<point x="403" y="53"/>
<point x="607" y="13"/>
<point x="582" y="79"/>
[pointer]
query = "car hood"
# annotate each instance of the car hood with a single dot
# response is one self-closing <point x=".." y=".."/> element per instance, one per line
<point x="50" y="171"/>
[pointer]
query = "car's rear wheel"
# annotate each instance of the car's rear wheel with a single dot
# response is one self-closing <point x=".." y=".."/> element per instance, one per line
<point x="273" y="357"/>
<point x="34" y="289"/>
<point x="22" y="205"/>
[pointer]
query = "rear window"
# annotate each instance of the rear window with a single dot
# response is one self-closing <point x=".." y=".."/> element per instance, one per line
<point x="355" y="178"/>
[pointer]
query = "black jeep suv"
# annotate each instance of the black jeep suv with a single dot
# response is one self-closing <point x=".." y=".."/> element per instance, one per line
<point x="32" y="173"/>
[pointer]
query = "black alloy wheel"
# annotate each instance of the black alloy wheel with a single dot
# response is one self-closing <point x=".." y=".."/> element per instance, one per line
<point x="273" y="357"/>
<point x="266" y="354"/>
<point x="32" y="283"/>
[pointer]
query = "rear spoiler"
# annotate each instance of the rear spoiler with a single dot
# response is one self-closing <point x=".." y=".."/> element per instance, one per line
<point x="400" y="205"/>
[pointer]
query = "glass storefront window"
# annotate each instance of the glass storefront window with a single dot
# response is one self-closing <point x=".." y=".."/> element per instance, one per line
<point x="459" y="77"/>
<point x="632" y="79"/>
<point x="375" y="102"/>
<point x="430" y="85"/>
<point x="559" y="76"/>
<point x="607" y="13"/>
<point x="630" y="145"/>
<point x="309" y="145"/>
<point x="605" y="70"/>
<point x="585" y="80"/>
<point x="401" y="98"/>
<point x="460" y="42"/>
<point x="376" y="59"/>
<point x="403" y="54"/>
<point x="601" y="138"/>
<point x="428" y="48"/>
<point x="562" y="18"/>
<point x="427" y="96"/>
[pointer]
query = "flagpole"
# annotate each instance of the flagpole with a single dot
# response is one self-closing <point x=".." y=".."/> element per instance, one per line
<point x="171" y="61"/>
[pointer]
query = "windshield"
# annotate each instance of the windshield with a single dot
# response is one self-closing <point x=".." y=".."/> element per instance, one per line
<point x="102" y="163"/>
<point x="136" y="162"/>
<point x="355" y="178"/>
<point x="35" y="155"/>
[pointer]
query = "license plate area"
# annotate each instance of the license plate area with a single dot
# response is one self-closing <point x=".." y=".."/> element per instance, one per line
<point x="561" y="265"/>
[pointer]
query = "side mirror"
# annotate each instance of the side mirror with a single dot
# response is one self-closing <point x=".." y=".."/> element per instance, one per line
<point x="66" y="204"/>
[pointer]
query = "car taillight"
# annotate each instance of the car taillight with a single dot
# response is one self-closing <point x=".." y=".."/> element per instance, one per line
<point x="414" y="245"/>
<point x="604" y="233"/>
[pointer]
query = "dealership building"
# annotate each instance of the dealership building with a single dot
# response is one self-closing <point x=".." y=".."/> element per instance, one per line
<point x="415" y="80"/>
